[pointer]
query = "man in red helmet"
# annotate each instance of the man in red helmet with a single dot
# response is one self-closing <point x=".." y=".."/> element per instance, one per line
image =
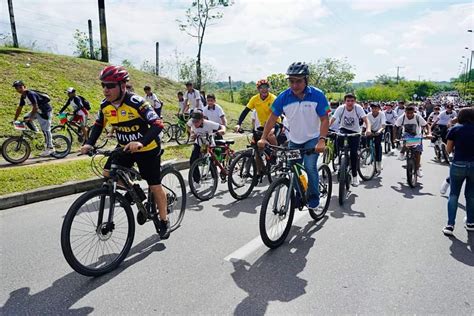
<point x="137" y="128"/>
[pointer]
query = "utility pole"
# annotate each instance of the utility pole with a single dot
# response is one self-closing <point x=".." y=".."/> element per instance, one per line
<point x="12" y="23"/>
<point x="465" y="77"/>
<point x="157" y="66"/>
<point x="91" y="41"/>
<point x="398" y="72"/>
<point x="231" y="91"/>
<point x="103" y="32"/>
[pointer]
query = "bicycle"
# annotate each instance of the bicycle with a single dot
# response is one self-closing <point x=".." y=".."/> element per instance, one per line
<point x="387" y="138"/>
<point x="367" y="166"/>
<point x="17" y="149"/>
<point x="330" y="152"/>
<point x="101" y="220"/>
<point x="410" y="143"/>
<point x="68" y="127"/>
<point x="289" y="192"/>
<point x="216" y="154"/>
<point x="441" y="153"/>
<point x="344" y="174"/>
<point x="178" y="131"/>
<point x="249" y="167"/>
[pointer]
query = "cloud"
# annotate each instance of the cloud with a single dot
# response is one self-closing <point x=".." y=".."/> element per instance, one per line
<point x="373" y="39"/>
<point x="380" y="51"/>
<point x="379" y="6"/>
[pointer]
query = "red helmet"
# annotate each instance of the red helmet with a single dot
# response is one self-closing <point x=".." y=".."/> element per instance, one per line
<point x="114" y="74"/>
<point x="262" y="82"/>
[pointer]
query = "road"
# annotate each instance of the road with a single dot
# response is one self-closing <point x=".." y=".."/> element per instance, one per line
<point x="382" y="253"/>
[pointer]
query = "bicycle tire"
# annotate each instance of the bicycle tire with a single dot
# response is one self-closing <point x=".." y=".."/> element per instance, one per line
<point x="103" y="140"/>
<point x="167" y="133"/>
<point x="203" y="161"/>
<point x="444" y="153"/>
<point x="19" y="143"/>
<point x="172" y="195"/>
<point x="387" y="142"/>
<point x="411" y="172"/>
<point x="246" y="160"/>
<point x="437" y="153"/>
<point x="265" y="211"/>
<point x="182" y="136"/>
<point x="66" y="244"/>
<point x="325" y="190"/>
<point x="342" y="180"/>
<point x="62" y="130"/>
<point x="62" y="146"/>
<point x="363" y="156"/>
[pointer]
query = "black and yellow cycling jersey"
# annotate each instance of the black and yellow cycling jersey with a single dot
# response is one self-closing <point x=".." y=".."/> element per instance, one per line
<point x="134" y="121"/>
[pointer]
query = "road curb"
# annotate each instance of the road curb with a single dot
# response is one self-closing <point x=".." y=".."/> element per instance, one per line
<point x="55" y="191"/>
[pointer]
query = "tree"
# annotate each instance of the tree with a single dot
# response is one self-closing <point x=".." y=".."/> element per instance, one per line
<point x="331" y="75"/>
<point x="81" y="44"/>
<point x="198" y="17"/>
<point x="147" y="67"/>
<point x="127" y="64"/>
<point x="278" y="83"/>
<point x="187" y="72"/>
<point x="246" y="92"/>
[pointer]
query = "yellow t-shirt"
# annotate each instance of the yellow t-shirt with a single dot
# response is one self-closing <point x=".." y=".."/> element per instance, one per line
<point x="262" y="107"/>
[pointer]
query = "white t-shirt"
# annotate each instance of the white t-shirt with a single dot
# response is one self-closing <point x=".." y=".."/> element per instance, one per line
<point x="349" y="119"/>
<point x="433" y="116"/>
<point x="399" y="111"/>
<point x="215" y="114"/>
<point x="286" y="124"/>
<point x="194" y="99"/>
<point x="153" y="100"/>
<point x="413" y="126"/>
<point x="207" y="127"/>
<point x="376" y="122"/>
<point x="182" y="105"/>
<point x="444" y="117"/>
<point x="255" y="117"/>
<point x="390" y="117"/>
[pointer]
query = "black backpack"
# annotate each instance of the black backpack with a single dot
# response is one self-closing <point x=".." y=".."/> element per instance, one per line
<point x="44" y="97"/>
<point x="85" y="103"/>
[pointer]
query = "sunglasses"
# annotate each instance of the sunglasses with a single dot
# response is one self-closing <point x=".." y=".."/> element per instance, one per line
<point x="264" y="86"/>
<point x="295" y="81"/>
<point x="109" y="85"/>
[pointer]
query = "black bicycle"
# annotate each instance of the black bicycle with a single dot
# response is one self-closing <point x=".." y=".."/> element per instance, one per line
<point x="344" y="173"/>
<point x="98" y="229"/>
<point x="289" y="192"/>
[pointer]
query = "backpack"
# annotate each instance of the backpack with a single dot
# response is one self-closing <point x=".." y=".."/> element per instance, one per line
<point x="203" y="101"/>
<point x="85" y="103"/>
<point x="44" y="97"/>
<point x="417" y="121"/>
<point x="357" y="114"/>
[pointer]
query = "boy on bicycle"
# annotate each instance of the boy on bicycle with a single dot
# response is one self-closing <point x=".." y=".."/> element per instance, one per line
<point x="79" y="113"/>
<point x="137" y="128"/>
<point x="377" y="120"/>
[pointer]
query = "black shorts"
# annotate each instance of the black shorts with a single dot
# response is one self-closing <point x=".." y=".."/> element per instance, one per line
<point x="149" y="164"/>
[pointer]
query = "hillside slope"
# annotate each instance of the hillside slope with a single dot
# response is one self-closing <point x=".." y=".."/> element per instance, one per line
<point x="53" y="74"/>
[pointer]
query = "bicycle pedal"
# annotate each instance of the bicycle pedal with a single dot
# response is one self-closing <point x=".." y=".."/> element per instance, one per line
<point x="141" y="219"/>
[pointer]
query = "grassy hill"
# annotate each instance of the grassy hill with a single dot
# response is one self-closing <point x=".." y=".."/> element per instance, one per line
<point x="53" y="74"/>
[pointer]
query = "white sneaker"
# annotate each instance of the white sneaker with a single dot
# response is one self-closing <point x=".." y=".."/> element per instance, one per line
<point x="47" y="153"/>
<point x="401" y="156"/>
<point x="419" y="173"/>
<point x="355" y="181"/>
<point x="444" y="188"/>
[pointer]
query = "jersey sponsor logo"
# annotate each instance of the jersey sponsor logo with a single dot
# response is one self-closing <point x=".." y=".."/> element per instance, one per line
<point x="151" y="115"/>
<point x="136" y="99"/>
<point x="348" y="121"/>
<point x="123" y="112"/>
<point x="128" y="129"/>
<point x="127" y="138"/>
<point x="113" y="113"/>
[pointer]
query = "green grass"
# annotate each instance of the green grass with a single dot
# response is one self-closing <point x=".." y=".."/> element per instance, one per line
<point x="25" y="178"/>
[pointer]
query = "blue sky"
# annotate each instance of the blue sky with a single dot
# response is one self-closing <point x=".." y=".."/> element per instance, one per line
<point x="260" y="37"/>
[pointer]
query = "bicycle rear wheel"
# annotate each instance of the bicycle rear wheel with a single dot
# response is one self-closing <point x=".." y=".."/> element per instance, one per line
<point x="175" y="189"/>
<point x="366" y="165"/>
<point x="181" y="135"/>
<point x="62" y="130"/>
<point x="16" y="150"/>
<point x="325" y="190"/>
<point x="167" y="132"/>
<point x="411" y="172"/>
<point x="343" y="177"/>
<point x="276" y="216"/>
<point x="91" y="245"/>
<point x="61" y="145"/>
<point x="242" y="176"/>
<point x="206" y="173"/>
<point x="444" y="153"/>
<point x="387" y="142"/>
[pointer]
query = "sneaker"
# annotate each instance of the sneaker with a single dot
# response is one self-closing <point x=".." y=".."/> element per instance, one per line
<point x="355" y="181"/>
<point x="444" y="187"/>
<point x="448" y="230"/>
<point x="469" y="226"/>
<point x="419" y="173"/>
<point x="431" y="144"/>
<point x="401" y="156"/>
<point x="47" y="153"/>
<point x="379" y="165"/>
<point x="162" y="228"/>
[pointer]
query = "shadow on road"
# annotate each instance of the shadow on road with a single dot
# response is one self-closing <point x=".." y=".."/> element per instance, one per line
<point x="463" y="251"/>
<point x="408" y="192"/>
<point x="68" y="290"/>
<point x="337" y="211"/>
<point x="376" y="182"/>
<point x="274" y="276"/>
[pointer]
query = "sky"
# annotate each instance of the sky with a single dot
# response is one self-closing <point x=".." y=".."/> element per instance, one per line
<point x="256" y="38"/>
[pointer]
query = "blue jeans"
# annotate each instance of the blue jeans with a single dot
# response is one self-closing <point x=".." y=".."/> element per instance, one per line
<point x="458" y="172"/>
<point x="310" y="163"/>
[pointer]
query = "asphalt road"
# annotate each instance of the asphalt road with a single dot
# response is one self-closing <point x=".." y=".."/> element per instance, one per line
<point x="382" y="253"/>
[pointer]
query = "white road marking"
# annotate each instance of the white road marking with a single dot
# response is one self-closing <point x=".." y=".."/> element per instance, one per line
<point x="253" y="245"/>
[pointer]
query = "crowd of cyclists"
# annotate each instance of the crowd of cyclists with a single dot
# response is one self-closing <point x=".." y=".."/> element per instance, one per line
<point x="300" y="117"/>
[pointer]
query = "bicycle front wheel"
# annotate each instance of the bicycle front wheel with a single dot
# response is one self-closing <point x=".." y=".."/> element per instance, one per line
<point x="276" y="215"/>
<point x="242" y="176"/>
<point x="182" y="135"/>
<point x="175" y="189"/>
<point x="167" y="132"/>
<point x="387" y="142"/>
<point x="203" y="178"/>
<point x="61" y="145"/>
<point x="366" y="165"/>
<point x="62" y="130"/>
<point x="91" y="244"/>
<point x="325" y="190"/>
<point x="343" y="178"/>
<point x="16" y="150"/>
<point x="411" y="172"/>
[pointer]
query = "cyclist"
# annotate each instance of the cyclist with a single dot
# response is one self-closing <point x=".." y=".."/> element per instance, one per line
<point x="200" y="127"/>
<point x="391" y="117"/>
<point x="412" y="124"/>
<point x="137" y="128"/>
<point x="80" y="113"/>
<point x="192" y="99"/>
<point x="152" y="99"/>
<point x="261" y="103"/>
<point x="181" y="104"/>
<point x="444" y="120"/>
<point x="434" y="115"/>
<point x="306" y="109"/>
<point x="377" y="121"/>
<point x="348" y="115"/>
<point x="400" y="109"/>
<point x="213" y="111"/>
<point x="41" y="111"/>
